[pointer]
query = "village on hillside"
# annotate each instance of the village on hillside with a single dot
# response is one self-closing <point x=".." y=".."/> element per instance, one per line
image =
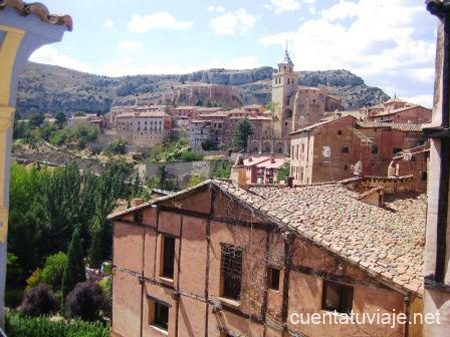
<point x="299" y="217"/>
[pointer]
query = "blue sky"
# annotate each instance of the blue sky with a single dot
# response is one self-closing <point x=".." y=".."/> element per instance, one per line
<point x="390" y="43"/>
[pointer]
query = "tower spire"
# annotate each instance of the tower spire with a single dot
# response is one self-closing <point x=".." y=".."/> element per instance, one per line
<point x="287" y="58"/>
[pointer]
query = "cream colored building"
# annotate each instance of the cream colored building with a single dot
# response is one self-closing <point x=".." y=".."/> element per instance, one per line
<point x="144" y="128"/>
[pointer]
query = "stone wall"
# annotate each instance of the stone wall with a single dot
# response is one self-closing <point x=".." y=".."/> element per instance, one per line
<point x="178" y="169"/>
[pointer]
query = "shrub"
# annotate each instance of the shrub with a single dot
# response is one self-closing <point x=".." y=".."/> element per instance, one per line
<point x="35" y="278"/>
<point x="117" y="147"/>
<point x="54" y="269"/>
<point x="39" y="301"/>
<point x="85" y="301"/>
<point x="195" y="180"/>
<point x="18" y="325"/>
<point x="191" y="156"/>
<point x="106" y="285"/>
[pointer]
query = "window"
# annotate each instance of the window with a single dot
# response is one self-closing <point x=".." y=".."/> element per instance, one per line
<point x="158" y="314"/>
<point x="274" y="278"/>
<point x="337" y="297"/>
<point x="231" y="272"/>
<point x="375" y="150"/>
<point x="168" y="256"/>
<point x="339" y="132"/>
<point x="345" y="149"/>
<point x="397" y="150"/>
<point x="424" y="176"/>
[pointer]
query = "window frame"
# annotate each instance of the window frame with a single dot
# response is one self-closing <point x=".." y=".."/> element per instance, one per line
<point x="164" y="268"/>
<point x="344" y="306"/>
<point x="225" y="283"/>
<point x="274" y="277"/>
<point x="154" y="314"/>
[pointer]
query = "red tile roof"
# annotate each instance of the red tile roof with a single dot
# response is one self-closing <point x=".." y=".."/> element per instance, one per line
<point x="39" y="10"/>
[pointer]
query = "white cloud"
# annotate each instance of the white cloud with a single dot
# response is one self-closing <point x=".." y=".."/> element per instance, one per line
<point x="423" y="100"/>
<point x="130" y="45"/>
<point x="376" y="39"/>
<point x="50" y="55"/>
<point x="218" y="9"/>
<point x="232" y="23"/>
<point x="128" y="66"/>
<point x="158" y="20"/>
<point x="109" y="23"/>
<point x="285" y="5"/>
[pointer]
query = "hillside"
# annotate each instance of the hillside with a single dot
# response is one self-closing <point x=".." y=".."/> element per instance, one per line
<point x="51" y="89"/>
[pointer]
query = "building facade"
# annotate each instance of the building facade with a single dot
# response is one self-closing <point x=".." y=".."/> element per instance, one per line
<point x="219" y="260"/>
<point x="344" y="147"/>
<point x="144" y="128"/>
<point x="398" y="111"/>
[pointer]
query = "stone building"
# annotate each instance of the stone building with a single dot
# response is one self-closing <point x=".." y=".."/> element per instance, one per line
<point x="144" y="127"/>
<point x="297" y="106"/>
<point x="340" y="148"/>
<point x="199" y="132"/>
<point x="262" y="170"/>
<point x="396" y="110"/>
<point x="222" y="260"/>
<point x="23" y="29"/>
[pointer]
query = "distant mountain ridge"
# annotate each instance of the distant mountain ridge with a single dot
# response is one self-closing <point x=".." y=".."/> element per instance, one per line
<point x="52" y="89"/>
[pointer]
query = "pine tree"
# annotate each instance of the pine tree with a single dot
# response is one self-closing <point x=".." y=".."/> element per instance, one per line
<point x="74" y="272"/>
<point x="96" y="250"/>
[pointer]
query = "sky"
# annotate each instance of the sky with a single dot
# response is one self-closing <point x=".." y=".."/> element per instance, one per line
<point x="389" y="43"/>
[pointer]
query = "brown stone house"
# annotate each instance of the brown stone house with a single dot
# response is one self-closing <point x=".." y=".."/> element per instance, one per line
<point x="218" y="260"/>
<point x="340" y="148"/>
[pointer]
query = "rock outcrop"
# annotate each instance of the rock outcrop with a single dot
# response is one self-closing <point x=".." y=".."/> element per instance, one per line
<point x="52" y="89"/>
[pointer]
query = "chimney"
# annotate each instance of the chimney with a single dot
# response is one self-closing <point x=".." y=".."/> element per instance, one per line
<point x="272" y="160"/>
<point x="238" y="173"/>
<point x="137" y="202"/>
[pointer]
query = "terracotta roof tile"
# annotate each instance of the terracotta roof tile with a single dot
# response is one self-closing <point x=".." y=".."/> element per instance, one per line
<point x="387" y="241"/>
<point x="39" y="10"/>
<point x="407" y="127"/>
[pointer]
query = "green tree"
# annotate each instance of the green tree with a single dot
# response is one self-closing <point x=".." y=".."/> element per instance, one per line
<point x="283" y="172"/>
<point x="54" y="269"/>
<point x="61" y="119"/>
<point x="195" y="180"/>
<point x="37" y="119"/>
<point x="74" y="271"/>
<point x="242" y="133"/>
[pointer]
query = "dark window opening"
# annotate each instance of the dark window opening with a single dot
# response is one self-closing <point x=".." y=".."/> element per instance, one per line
<point x="339" y="132"/>
<point x="337" y="297"/>
<point x="375" y="150"/>
<point x="424" y="176"/>
<point x="345" y="149"/>
<point x="231" y="270"/>
<point x="159" y="314"/>
<point x="274" y="278"/>
<point x="168" y="257"/>
<point x="397" y="150"/>
<point x="345" y="167"/>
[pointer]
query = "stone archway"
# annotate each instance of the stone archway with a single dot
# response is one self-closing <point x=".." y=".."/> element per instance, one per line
<point x="254" y="147"/>
<point x="279" y="147"/>
<point x="267" y="147"/>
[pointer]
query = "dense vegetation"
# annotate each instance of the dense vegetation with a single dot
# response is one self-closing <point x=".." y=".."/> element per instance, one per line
<point x="47" y="206"/>
<point x="173" y="150"/>
<point x="18" y="325"/>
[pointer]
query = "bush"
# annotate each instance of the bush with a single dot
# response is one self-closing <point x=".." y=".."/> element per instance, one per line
<point x="22" y="326"/>
<point x="35" y="278"/>
<point x="116" y="147"/>
<point x="54" y="269"/>
<point x="39" y="301"/>
<point x="85" y="301"/>
<point x="195" y="180"/>
<point x="106" y="285"/>
<point x="191" y="156"/>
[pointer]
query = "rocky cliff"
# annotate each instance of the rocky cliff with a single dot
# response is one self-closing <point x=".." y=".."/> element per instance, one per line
<point x="51" y="89"/>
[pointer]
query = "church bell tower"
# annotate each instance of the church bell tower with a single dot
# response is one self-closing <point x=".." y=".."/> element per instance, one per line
<point x="284" y="85"/>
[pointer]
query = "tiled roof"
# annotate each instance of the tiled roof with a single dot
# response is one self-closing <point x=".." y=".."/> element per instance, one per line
<point x="312" y="127"/>
<point x="39" y="10"/>
<point x="407" y="127"/>
<point x="387" y="242"/>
